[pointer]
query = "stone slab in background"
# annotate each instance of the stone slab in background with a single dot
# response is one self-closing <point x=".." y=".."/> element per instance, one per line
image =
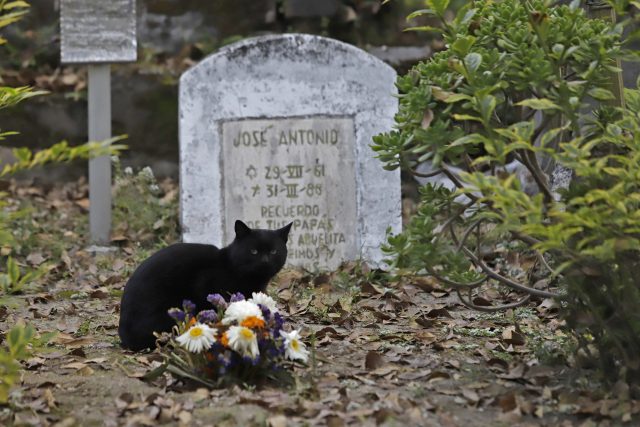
<point x="98" y="31"/>
<point x="277" y="129"/>
<point x="310" y="8"/>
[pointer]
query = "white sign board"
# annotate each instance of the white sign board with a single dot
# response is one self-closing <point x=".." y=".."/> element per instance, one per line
<point x="98" y="31"/>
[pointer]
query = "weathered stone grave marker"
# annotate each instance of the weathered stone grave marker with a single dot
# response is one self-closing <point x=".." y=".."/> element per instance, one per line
<point x="98" y="32"/>
<point x="276" y="130"/>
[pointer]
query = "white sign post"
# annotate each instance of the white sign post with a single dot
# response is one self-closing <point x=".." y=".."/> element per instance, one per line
<point x="98" y="33"/>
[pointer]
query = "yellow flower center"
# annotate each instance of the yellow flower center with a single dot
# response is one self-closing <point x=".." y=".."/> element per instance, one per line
<point x="295" y="345"/>
<point x="247" y="334"/>
<point x="195" y="332"/>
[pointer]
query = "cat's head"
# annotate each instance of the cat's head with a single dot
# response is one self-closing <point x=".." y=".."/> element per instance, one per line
<point x="259" y="252"/>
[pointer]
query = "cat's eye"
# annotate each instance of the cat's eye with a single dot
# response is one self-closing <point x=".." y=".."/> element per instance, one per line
<point x="254" y="252"/>
<point x="273" y="251"/>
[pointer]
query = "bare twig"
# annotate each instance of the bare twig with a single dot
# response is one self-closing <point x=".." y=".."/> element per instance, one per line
<point x="455" y="284"/>
<point x="525" y="238"/>
<point x="448" y="174"/>
<point x="468" y="163"/>
<point x="546" y="119"/>
<point x="457" y="182"/>
<point x="456" y="215"/>
<point x="431" y="174"/>
<point x="505" y="280"/>
<point x="539" y="176"/>
<point x="545" y="263"/>
<point x="467" y="232"/>
<point x="478" y="240"/>
<point x="491" y="309"/>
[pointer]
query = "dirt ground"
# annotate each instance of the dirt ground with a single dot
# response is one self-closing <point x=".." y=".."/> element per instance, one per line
<point x="390" y="351"/>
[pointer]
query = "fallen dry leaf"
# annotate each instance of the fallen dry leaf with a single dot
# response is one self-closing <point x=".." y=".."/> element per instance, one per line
<point x="75" y="365"/>
<point x="507" y="402"/>
<point x="374" y="360"/>
<point x="277" y="421"/>
<point x="515" y="373"/>
<point x="70" y="342"/>
<point x="470" y="395"/>
<point x="512" y="337"/>
<point x="439" y="312"/>
<point x="35" y="259"/>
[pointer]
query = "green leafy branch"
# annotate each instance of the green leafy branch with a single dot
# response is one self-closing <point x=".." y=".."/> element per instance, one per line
<point x="60" y="153"/>
<point x="16" y="349"/>
<point x="10" y="12"/>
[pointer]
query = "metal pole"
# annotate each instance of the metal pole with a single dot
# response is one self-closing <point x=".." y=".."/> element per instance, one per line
<point x="100" y="167"/>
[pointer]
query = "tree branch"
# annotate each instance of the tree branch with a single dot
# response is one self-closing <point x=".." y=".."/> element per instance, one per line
<point x="505" y="280"/>
<point x="425" y="175"/>
<point x="455" y="284"/>
<point x="492" y="308"/>
<point x="467" y="232"/>
<point x="541" y="180"/>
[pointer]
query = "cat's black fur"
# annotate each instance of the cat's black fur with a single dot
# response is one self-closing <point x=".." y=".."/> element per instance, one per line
<point x="192" y="271"/>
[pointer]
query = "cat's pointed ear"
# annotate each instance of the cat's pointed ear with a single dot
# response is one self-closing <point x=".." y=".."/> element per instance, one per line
<point x="241" y="229"/>
<point x="284" y="231"/>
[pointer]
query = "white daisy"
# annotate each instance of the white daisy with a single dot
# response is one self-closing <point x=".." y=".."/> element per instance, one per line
<point x="197" y="338"/>
<point x="294" y="348"/>
<point x="243" y="340"/>
<point x="240" y="310"/>
<point x="264" y="299"/>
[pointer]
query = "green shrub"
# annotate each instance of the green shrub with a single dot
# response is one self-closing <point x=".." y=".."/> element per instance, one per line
<point x="16" y="349"/>
<point x="526" y="84"/>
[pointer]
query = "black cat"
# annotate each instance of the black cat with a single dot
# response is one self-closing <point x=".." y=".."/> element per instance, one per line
<point x="192" y="271"/>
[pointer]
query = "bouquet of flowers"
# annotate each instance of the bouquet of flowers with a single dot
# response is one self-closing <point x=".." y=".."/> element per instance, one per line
<point x="239" y="341"/>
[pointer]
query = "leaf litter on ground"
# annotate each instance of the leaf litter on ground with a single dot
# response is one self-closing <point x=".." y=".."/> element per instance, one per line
<point x="389" y="350"/>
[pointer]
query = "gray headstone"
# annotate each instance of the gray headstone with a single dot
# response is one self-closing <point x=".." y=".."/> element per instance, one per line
<point x="98" y="31"/>
<point x="277" y="129"/>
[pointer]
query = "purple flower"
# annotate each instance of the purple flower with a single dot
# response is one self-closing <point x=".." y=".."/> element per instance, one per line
<point x="222" y="370"/>
<point x="275" y="351"/>
<point x="177" y="314"/>
<point x="217" y="300"/>
<point x="238" y="296"/>
<point x="208" y="316"/>
<point x="233" y="360"/>
<point x="188" y="306"/>
<point x="266" y="313"/>
<point x="282" y="348"/>
<point x="249" y="361"/>
<point x="263" y="343"/>
<point x="218" y="349"/>
<point x="279" y="322"/>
